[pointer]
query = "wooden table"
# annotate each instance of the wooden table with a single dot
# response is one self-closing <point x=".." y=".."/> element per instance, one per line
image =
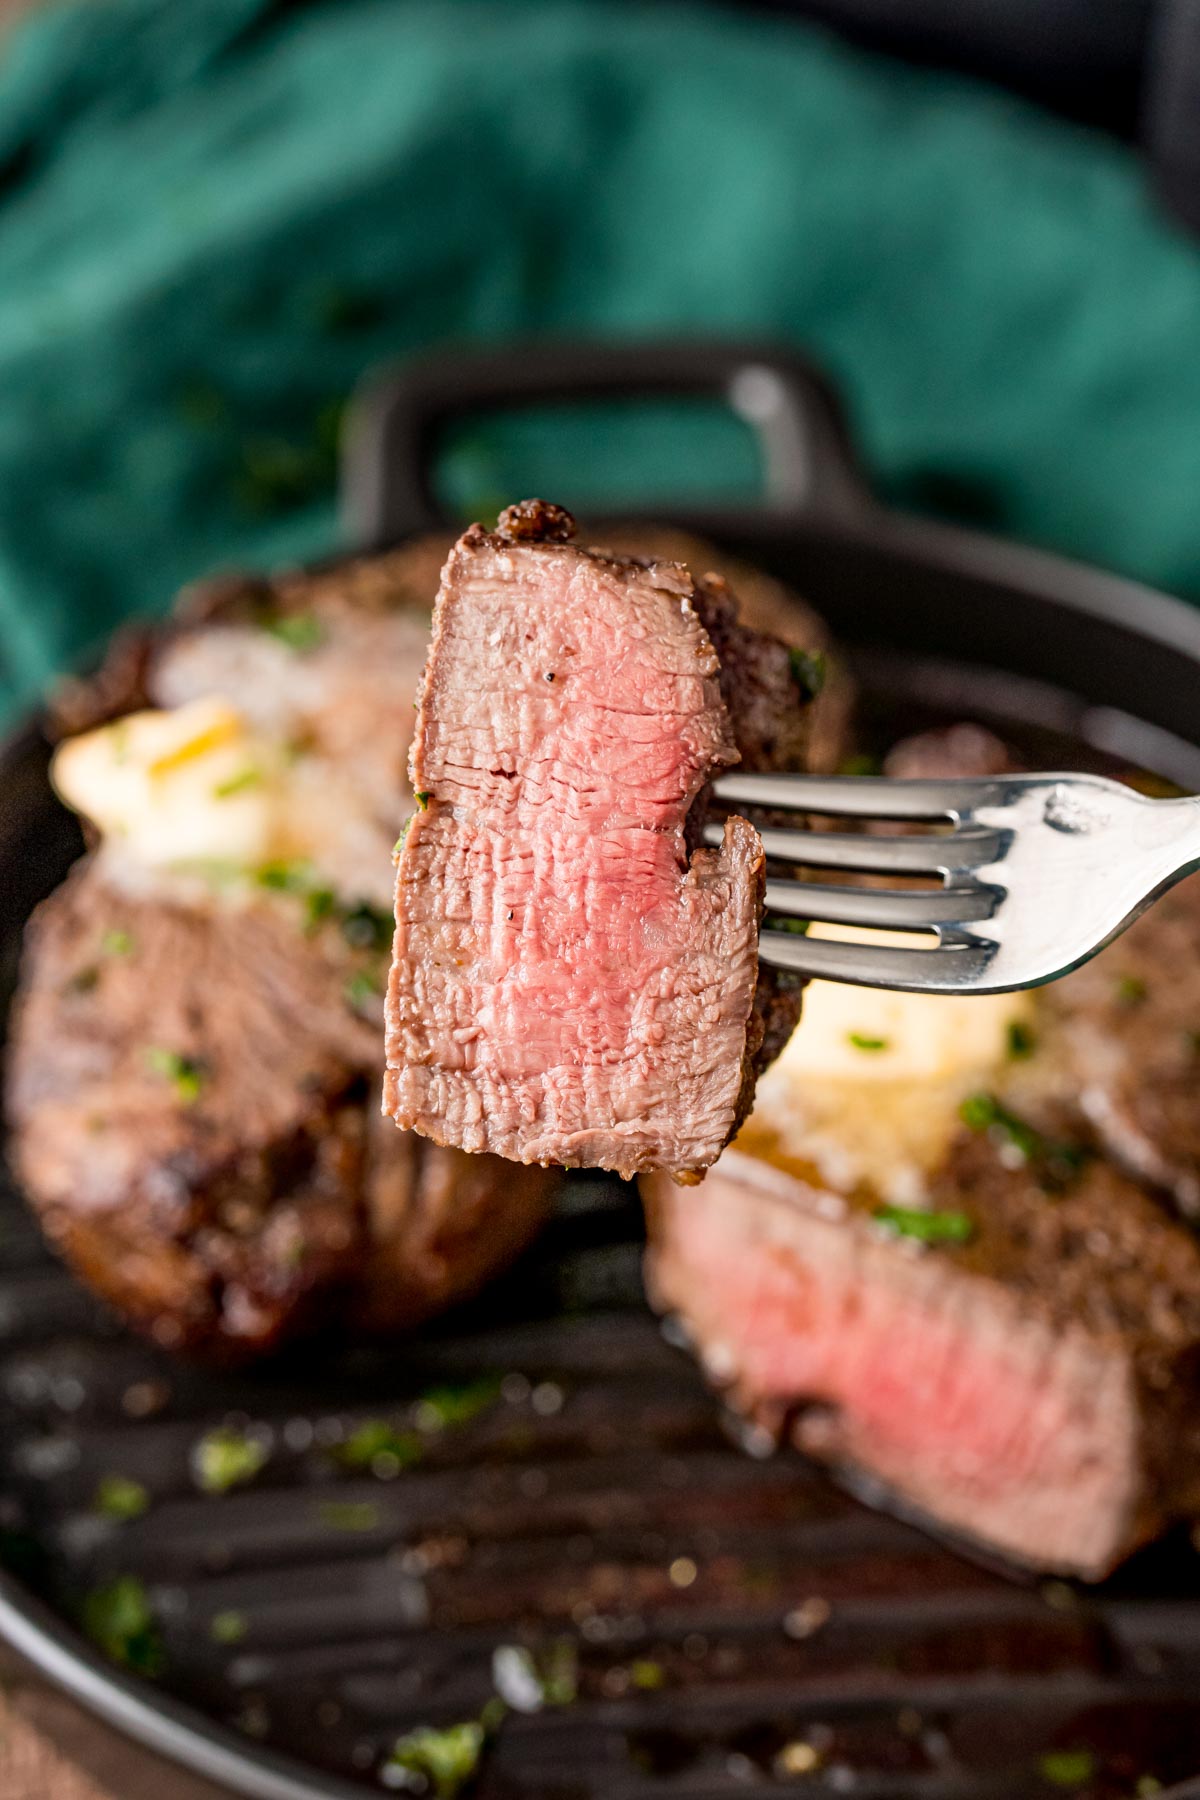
<point x="51" y="1749"/>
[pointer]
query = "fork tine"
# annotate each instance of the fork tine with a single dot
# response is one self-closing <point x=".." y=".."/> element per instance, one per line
<point x="971" y="848"/>
<point x="956" y="967"/>
<point x="858" y="796"/>
<point x="901" y="909"/>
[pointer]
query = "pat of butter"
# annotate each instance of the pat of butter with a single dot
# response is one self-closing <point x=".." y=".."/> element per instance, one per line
<point x="185" y="786"/>
<point x="869" y="1085"/>
<point x="872" y="1035"/>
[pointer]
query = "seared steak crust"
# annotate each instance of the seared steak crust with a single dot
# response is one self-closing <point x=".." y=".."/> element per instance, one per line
<point x="194" y="1081"/>
<point x="567" y="986"/>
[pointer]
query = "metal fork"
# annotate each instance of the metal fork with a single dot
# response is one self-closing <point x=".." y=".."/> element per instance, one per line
<point x="1037" y="873"/>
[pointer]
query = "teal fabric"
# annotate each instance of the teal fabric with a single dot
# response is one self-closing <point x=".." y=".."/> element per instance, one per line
<point x="214" y="215"/>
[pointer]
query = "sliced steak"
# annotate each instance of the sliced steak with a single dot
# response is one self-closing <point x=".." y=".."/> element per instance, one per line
<point x="1034" y="1389"/>
<point x="194" y="1073"/>
<point x="568" y="984"/>
<point x="193" y="1115"/>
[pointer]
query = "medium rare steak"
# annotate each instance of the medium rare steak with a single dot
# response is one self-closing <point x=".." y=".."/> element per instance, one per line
<point x="568" y="984"/>
<point x="195" y="1061"/>
<point x="1033" y="1386"/>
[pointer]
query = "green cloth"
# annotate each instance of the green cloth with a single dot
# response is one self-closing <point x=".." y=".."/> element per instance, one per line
<point x="215" y="214"/>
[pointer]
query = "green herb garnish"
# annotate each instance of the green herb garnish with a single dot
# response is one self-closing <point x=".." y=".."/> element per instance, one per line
<point x="224" y="1459"/>
<point x="1021" y="1041"/>
<point x="377" y="1445"/>
<point x="118" y="1619"/>
<point x="862" y="1042"/>
<point x="1058" y="1163"/>
<point x="84" y="980"/>
<point x="1068" y="1768"/>
<point x="118" y="1497"/>
<point x="447" y="1759"/>
<point x="367" y="927"/>
<point x="299" y="631"/>
<point x="1130" y="990"/>
<point x="398" y="846"/>
<point x="285" y="877"/>
<point x="809" y="670"/>
<point x="444" y="1407"/>
<point x="927" y="1227"/>
<point x="116" y="943"/>
<point x="529" y="1680"/>
<point x="187" y="1074"/>
<point x="319" y="903"/>
<point x="361" y="989"/>
<point x="423" y="800"/>
<point x="861" y="763"/>
<point x="237" y="784"/>
<point x="349" y="1515"/>
<point x="227" y="1627"/>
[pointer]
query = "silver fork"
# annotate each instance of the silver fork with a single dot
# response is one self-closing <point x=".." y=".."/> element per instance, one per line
<point x="1037" y="873"/>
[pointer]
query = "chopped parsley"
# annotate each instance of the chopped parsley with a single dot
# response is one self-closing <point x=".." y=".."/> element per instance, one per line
<point x="447" y="1759"/>
<point x="861" y="763"/>
<point x="361" y="989"/>
<point x="1057" y="1163"/>
<point x="116" y="943"/>
<point x="377" y="1445"/>
<point x="1068" y="1768"/>
<point x="224" y="1459"/>
<point x="227" y="1627"/>
<point x="349" y="1515"/>
<point x="237" y="784"/>
<point x="1130" y="990"/>
<point x="527" y="1681"/>
<point x="423" y="800"/>
<point x="319" y="903"/>
<point x="809" y="670"/>
<point x="927" y="1227"/>
<point x="187" y="1074"/>
<point x="286" y="877"/>
<point x="118" y="1497"/>
<point x="119" y="1620"/>
<point x="862" y="1042"/>
<point x="367" y="927"/>
<point x="443" y="1407"/>
<point x="299" y="631"/>
<point x="398" y="846"/>
<point x="1021" y="1040"/>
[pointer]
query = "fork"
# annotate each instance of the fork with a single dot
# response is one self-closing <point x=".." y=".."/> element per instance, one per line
<point x="1037" y="873"/>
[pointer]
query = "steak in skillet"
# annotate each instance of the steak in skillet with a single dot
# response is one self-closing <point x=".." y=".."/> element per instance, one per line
<point x="569" y="985"/>
<point x="1033" y="1388"/>
<point x="195" y="1066"/>
<point x="917" y="1264"/>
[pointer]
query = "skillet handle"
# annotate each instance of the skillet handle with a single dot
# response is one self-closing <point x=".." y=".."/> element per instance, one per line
<point x="398" y="416"/>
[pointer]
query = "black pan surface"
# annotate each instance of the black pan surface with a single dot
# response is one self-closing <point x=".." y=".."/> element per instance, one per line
<point x="730" y="1623"/>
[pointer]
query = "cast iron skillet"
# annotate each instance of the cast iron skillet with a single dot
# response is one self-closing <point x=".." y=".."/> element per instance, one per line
<point x="738" y="1623"/>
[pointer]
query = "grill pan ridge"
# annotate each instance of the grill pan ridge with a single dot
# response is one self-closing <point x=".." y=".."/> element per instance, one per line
<point x="737" y="1623"/>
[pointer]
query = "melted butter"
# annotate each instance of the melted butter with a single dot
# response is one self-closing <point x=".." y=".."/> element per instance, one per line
<point x="188" y="786"/>
<point x="867" y="1091"/>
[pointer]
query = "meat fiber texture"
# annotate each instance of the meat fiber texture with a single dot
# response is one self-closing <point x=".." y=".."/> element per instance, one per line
<point x="568" y="984"/>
